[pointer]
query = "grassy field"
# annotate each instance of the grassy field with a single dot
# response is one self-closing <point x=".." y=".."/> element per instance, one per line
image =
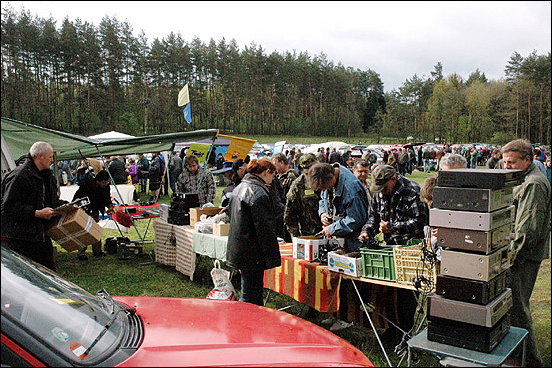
<point x="131" y="277"/>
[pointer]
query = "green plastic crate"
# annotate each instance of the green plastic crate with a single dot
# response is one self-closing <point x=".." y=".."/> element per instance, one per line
<point x="378" y="263"/>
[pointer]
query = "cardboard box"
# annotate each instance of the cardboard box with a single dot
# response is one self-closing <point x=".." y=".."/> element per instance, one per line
<point x="196" y="212"/>
<point x="74" y="228"/>
<point x="345" y="263"/>
<point x="306" y="247"/>
<point x="221" y="229"/>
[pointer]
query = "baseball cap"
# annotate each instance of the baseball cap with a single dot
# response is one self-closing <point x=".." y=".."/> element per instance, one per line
<point x="226" y="166"/>
<point x="380" y="176"/>
<point x="307" y="160"/>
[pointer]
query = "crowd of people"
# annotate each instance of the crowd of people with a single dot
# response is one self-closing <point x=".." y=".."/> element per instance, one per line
<point x="294" y="194"/>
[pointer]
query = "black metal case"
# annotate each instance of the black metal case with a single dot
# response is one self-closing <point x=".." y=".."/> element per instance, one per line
<point x="472" y="199"/>
<point x="479" y="178"/>
<point x="467" y="336"/>
<point x="471" y="291"/>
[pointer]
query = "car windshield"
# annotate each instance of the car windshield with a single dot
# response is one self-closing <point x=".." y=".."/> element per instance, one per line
<point x="59" y="313"/>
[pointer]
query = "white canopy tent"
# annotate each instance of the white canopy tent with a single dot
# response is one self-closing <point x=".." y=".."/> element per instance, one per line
<point x="110" y="135"/>
<point x="313" y="148"/>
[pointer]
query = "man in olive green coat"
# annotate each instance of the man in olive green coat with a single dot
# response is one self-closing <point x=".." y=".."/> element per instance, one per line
<point x="301" y="213"/>
<point x="531" y="241"/>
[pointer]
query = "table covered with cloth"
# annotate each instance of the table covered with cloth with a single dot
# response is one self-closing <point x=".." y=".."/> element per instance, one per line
<point x="307" y="282"/>
<point x="173" y="246"/>
<point x="210" y="245"/>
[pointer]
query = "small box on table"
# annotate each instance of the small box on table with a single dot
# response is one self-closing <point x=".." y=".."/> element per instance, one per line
<point x="196" y="212"/>
<point x="345" y="263"/>
<point x="74" y="228"/>
<point x="220" y="229"/>
<point x="307" y="247"/>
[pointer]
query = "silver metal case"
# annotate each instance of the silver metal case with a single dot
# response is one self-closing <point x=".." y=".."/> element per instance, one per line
<point x="481" y="315"/>
<point x="482" y="221"/>
<point x="475" y="241"/>
<point x="471" y="266"/>
<point x="471" y="199"/>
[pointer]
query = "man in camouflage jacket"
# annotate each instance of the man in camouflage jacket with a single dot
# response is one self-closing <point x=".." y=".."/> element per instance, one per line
<point x="301" y="213"/>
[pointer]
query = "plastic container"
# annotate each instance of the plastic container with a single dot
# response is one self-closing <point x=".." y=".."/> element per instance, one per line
<point x="410" y="268"/>
<point x="378" y="263"/>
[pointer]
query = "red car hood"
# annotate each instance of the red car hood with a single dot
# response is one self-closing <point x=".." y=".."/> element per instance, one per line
<point x="203" y="332"/>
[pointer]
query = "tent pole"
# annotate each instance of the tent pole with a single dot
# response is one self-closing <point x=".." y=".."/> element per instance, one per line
<point x="121" y="198"/>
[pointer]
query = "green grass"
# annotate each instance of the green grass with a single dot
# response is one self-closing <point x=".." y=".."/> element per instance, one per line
<point x="130" y="277"/>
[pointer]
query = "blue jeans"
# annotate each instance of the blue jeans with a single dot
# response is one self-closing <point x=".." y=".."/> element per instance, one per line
<point x="427" y="165"/>
<point x="252" y="286"/>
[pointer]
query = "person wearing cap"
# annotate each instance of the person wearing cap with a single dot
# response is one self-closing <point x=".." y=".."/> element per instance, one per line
<point x="343" y="206"/>
<point x="226" y="172"/>
<point x="301" y="212"/>
<point x="397" y="210"/>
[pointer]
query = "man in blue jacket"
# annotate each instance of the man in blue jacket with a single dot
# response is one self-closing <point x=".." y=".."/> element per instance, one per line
<point x="343" y="207"/>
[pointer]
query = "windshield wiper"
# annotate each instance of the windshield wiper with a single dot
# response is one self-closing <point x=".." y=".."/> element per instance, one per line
<point x="107" y="298"/>
<point x="123" y="308"/>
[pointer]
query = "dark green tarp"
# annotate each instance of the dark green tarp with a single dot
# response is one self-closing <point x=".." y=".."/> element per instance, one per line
<point x="19" y="137"/>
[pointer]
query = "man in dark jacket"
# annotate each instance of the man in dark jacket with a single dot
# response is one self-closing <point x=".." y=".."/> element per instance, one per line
<point x="29" y="196"/>
<point x="117" y="170"/>
<point x="99" y="194"/>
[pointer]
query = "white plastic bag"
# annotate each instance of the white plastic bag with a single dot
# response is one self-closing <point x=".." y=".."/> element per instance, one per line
<point x="223" y="290"/>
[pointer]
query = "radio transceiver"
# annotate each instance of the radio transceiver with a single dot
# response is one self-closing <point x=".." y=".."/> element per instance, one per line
<point x="483" y="221"/>
<point x="479" y="178"/>
<point x="471" y="291"/>
<point x="475" y="314"/>
<point x="470" y="199"/>
<point x="474" y="266"/>
<point x="466" y="335"/>
<point x="475" y="241"/>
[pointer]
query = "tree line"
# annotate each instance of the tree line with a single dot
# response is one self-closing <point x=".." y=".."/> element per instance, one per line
<point x="83" y="79"/>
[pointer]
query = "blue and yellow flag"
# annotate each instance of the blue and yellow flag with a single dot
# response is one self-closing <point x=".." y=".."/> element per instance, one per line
<point x="184" y="99"/>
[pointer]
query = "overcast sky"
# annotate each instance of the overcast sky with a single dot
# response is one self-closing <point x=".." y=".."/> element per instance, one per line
<point x="394" y="39"/>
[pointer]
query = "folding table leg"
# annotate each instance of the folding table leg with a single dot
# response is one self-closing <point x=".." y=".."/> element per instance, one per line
<point x="371" y="323"/>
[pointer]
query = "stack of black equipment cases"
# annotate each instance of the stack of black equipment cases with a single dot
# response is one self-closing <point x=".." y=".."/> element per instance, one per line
<point x="474" y="215"/>
<point x="179" y="212"/>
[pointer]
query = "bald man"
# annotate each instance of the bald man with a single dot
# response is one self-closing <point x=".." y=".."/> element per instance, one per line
<point x="29" y="196"/>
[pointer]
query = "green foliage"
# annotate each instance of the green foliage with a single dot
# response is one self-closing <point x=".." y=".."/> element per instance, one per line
<point x="80" y="77"/>
<point x="502" y="137"/>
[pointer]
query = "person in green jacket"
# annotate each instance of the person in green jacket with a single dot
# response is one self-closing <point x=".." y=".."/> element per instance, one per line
<point x="531" y="242"/>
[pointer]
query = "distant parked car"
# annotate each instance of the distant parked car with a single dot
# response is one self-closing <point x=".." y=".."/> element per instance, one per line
<point x="49" y="321"/>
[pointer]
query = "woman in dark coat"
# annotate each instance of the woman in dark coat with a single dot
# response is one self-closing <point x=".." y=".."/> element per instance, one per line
<point x="252" y="244"/>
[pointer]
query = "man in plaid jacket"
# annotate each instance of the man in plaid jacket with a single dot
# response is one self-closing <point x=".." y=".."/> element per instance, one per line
<point x="397" y="210"/>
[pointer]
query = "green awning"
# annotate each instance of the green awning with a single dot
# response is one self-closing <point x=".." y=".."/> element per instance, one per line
<point x="20" y="136"/>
